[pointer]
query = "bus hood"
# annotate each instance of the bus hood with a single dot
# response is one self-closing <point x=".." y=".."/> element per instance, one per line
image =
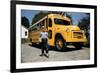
<point x="72" y="28"/>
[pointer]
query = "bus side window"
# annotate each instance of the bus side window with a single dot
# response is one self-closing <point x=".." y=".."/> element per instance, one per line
<point x="50" y="23"/>
<point x="42" y="24"/>
<point x="38" y="26"/>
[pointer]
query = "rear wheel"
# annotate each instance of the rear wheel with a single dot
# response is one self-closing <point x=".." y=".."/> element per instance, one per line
<point x="59" y="44"/>
<point x="31" y="42"/>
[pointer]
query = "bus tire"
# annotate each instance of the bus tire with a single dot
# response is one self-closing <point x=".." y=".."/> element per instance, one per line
<point x="59" y="44"/>
<point x="32" y="43"/>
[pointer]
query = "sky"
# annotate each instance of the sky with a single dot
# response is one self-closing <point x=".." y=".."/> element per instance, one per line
<point x="29" y="14"/>
<point x="76" y="16"/>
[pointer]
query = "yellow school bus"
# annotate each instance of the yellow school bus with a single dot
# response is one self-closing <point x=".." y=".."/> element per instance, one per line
<point x="61" y="32"/>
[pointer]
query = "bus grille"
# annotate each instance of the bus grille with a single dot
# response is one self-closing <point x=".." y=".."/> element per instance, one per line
<point x="78" y="35"/>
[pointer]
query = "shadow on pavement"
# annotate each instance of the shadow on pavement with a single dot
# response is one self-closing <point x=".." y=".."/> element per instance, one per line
<point x="66" y="49"/>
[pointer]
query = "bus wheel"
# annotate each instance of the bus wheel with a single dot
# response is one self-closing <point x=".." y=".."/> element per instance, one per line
<point x="59" y="44"/>
<point x="32" y="43"/>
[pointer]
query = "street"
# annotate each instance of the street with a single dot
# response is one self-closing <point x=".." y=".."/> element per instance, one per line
<point x="31" y="53"/>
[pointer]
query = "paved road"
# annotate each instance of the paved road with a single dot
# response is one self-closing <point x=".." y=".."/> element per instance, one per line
<point x="32" y="54"/>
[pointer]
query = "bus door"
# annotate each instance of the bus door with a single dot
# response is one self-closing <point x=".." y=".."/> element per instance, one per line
<point x="50" y="35"/>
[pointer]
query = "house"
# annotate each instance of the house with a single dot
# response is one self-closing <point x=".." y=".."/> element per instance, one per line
<point x="24" y="32"/>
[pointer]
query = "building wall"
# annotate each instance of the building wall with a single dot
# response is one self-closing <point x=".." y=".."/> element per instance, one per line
<point x="24" y="32"/>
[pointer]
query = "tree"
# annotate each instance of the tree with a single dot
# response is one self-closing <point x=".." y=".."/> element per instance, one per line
<point x="25" y="22"/>
<point x="39" y="16"/>
<point x="84" y="24"/>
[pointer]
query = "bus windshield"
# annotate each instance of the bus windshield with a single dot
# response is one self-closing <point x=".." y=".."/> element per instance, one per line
<point x="61" y="22"/>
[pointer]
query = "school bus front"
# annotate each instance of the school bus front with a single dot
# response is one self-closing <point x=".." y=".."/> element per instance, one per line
<point x="73" y="34"/>
<point x="63" y="33"/>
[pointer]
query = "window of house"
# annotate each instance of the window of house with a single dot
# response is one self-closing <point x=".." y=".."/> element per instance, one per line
<point x="25" y="33"/>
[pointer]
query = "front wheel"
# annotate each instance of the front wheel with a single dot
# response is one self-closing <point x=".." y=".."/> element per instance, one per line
<point x="59" y="44"/>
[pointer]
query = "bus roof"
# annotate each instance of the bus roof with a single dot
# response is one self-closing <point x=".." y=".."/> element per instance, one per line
<point x="59" y="16"/>
<point x="51" y="15"/>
